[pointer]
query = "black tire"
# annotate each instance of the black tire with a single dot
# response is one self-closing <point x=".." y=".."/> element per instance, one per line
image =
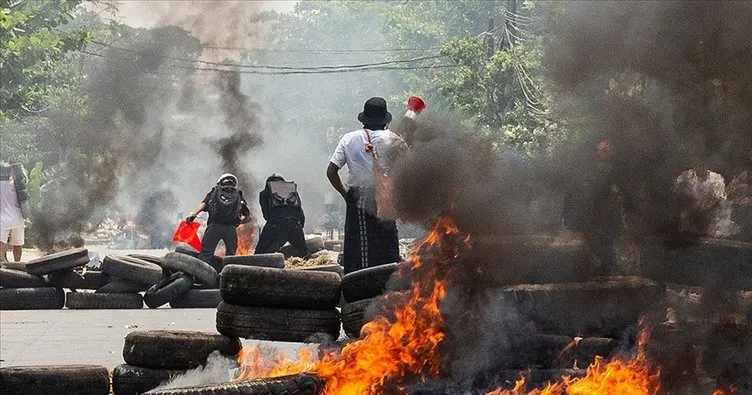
<point x="74" y="280"/>
<point x="354" y="316"/>
<point x="187" y="250"/>
<point x="148" y="258"/>
<point x="299" y="384"/>
<point x="62" y="260"/>
<point x="92" y="301"/>
<point x="367" y="283"/>
<point x="168" y="289"/>
<point x="59" y="380"/>
<point x="46" y="298"/>
<point x="194" y="267"/>
<point x="334" y="268"/>
<point x="118" y="286"/>
<point x="315" y="244"/>
<point x="265" y="323"/>
<point x="197" y="299"/>
<point x="20" y="279"/>
<point x="274" y="260"/>
<point x="297" y="289"/>
<point x="177" y="350"/>
<point x="134" y="380"/>
<point x="132" y="269"/>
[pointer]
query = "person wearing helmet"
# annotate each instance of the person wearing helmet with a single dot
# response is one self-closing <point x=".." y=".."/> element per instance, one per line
<point x="227" y="209"/>
<point x="283" y="212"/>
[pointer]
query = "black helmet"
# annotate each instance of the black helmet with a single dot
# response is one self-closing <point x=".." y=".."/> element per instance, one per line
<point x="275" y="177"/>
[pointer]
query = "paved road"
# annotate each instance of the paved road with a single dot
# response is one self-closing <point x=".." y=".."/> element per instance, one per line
<point x="64" y="337"/>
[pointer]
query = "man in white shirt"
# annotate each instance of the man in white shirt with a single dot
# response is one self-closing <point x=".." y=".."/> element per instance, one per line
<point x="369" y="240"/>
<point x="11" y="219"/>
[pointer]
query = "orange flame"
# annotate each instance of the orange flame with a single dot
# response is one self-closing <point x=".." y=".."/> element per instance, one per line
<point x="390" y="348"/>
<point x="724" y="391"/>
<point x="618" y="377"/>
<point x="246" y="232"/>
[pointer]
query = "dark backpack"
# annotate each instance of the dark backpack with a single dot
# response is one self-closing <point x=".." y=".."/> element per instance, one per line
<point x="283" y="194"/>
<point x="225" y="205"/>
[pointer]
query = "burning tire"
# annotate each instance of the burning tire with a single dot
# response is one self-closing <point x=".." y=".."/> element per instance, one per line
<point x="197" y="299"/>
<point x="334" y="268"/>
<point x="20" y="279"/>
<point x="168" y="289"/>
<point x="47" y="298"/>
<point x="96" y="301"/>
<point x="118" y="286"/>
<point x="275" y="260"/>
<point x="264" y="323"/>
<point x="175" y="350"/>
<point x="132" y="269"/>
<point x="354" y="316"/>
<point x="298" y="289"/>
<point x="194" y="267"/>
<point x="367" y="283"/>
<point x="74" y="280"/>
<point x="299" y="384"/>
<point x="187" y="250"/>
<point x="61" y="380"/>
<point x="63" y="260"/>
<point x="134" y="380"/>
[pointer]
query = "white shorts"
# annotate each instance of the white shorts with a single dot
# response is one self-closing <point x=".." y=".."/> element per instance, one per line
<point x="12" y="236"/>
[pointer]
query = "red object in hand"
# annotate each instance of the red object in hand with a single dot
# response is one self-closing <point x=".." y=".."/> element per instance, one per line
<point x="416" y="104"/>
<point x="187" y="232"/>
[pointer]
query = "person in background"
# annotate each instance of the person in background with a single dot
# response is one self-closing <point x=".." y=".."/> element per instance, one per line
<point x="227" y="209"/>
<point x="369" y="240"/>
<point x="283" y="211"/>
<point x="11" y="217"/>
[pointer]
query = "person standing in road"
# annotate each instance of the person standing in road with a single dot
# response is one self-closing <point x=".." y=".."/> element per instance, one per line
<point x="369" y="240"/>
<point x="11" y="217"/>
<point x="227" y="209"/>
<point x="283" y="211"/>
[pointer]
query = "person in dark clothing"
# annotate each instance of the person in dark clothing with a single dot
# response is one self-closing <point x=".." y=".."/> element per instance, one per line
<point x="227" y="209"/>
<point x="283" y="212"/>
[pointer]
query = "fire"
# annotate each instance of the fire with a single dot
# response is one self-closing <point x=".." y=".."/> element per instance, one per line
<point x="723" y="391"/>
<point x="394" y="347"/>
<point x="636" y="376"/>
<point x="246" y="232"/>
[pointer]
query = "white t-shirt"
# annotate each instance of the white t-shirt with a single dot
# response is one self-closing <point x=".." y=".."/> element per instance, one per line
<point x="10" y="210"/>
<point x="351" y="151"/>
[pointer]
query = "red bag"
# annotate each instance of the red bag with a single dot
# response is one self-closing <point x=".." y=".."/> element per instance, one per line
<point x="188" y="233"/>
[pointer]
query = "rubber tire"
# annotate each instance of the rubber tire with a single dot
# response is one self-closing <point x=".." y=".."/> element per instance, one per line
<point x="62" y="260"/>
<point x="148" y="258"/>
<point x="20" y="279"/>
<point x="265" y="287"/>
<point x="176" y="350"/>
<point x="334" y="268"/>
<point x="58" y="380"/>
<point x="299" y="384"/>
<point x="315" y="244"/>
<point x="354" y="316"/>
<point x="102" y="301"/>
<point x="118" y="286"/>
<point x="197" y="299"/>
<point x="46" y="298"/>
<point x="194" y="267"/>
<point x="132" y="269"/>
<point x="367" y="283"/>
<point x="187" y="250"/>
<point x="263" y="323"/>
<point x="134" y="380"/>
<point x="274" y="260"/>
<point x="168" y="289"/>
<point x="73" y="280"/>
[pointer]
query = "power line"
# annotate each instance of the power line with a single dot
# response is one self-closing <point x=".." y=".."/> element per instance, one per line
<point x="321" y="51"/>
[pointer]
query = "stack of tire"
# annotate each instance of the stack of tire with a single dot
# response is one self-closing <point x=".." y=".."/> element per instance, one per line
<point x="361" y="291"/>
<point x="267" y="303"/>
<point x="59" y="380"/>
<point x="154" y="357"/>
<point x="30" y="291"/>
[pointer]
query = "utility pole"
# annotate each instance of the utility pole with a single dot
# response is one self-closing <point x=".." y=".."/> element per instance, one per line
<point x="510" y="18"/>
<point x="490" y="41"/>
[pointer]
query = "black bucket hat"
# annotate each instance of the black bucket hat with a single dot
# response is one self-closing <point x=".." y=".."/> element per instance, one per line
<point x="374" y="112"/>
